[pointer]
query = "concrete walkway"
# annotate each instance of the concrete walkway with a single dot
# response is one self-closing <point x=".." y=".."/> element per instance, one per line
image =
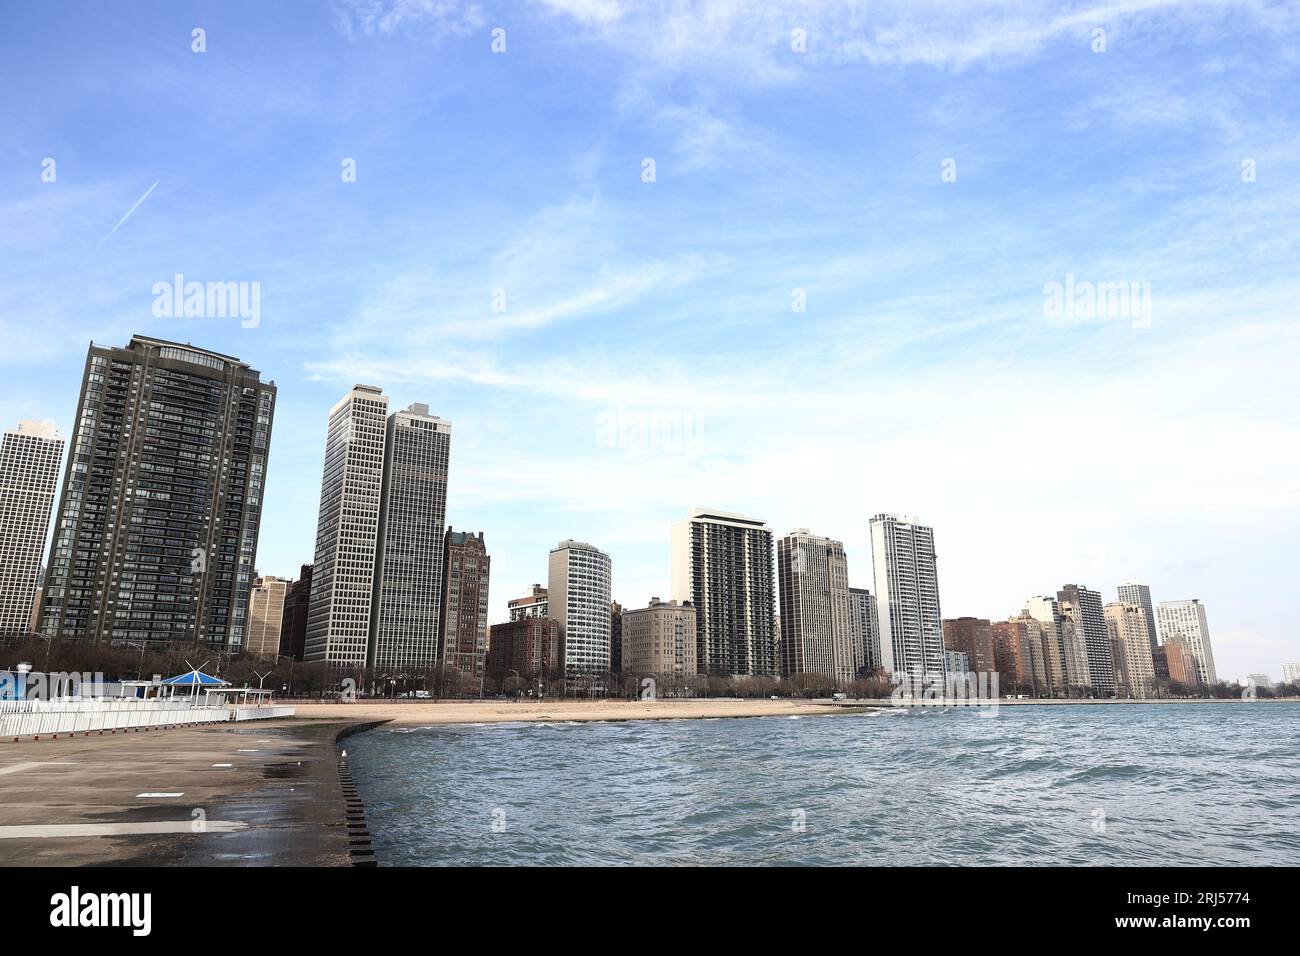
<point x="247" y="794"/>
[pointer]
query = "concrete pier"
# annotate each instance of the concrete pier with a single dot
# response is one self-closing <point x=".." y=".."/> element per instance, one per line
<point x="261" y="793"/>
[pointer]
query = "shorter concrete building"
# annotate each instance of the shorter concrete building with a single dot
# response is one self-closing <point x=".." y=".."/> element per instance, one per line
<point x="530" y="605"/>
<point x="660" y="639"/>
<point x="266" y="615"/>
<point x="530" y="649"/>
<point x="1174" y="664"/>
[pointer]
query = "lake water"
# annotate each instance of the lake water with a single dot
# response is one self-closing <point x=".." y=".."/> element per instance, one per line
<point x="1153" y="784"/>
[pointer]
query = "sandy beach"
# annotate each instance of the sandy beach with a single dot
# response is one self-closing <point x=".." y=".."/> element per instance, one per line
<point x="498" y="711"/>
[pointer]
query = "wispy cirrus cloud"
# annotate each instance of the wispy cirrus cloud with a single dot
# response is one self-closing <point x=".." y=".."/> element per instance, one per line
<point x="437" y="18"/>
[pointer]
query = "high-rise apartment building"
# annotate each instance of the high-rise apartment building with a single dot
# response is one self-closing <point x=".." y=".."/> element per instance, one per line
<point x="157" y="526"/>
<point x="1018" y="651"/>
<point x="29" y="470"/>
<point x="532" y="604"/>
<point x="816" y="613"/>
<point x="907" y="596"/>
<point x="347" y="529"/>
<point x="1084" y="609"/>
<point x="660" y="639"/>
<point x="1066" y="633"/>
<point x="467" y="568"/>
<point x="407" y="599"/>
<point x="866" y="630"/>
<point x="1127" y="625"/>
<point x="722" y="564"/>
<point x="578" y="596"/>
<point x="1291" y="673"/>
<point x="1048" y="637"/>
<point x="297" y="605"/>
<point x="1133" y="591"/>
<point x="973" y="637"/>
<point x="266" y="615"/>
<point x="1183" y="622"/>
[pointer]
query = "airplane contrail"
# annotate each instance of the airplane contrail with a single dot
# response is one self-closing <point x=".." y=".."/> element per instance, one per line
<point x="126" y="217"/>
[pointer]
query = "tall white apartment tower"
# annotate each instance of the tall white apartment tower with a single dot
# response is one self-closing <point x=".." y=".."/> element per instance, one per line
<point x="1183" y="622"/>
<point x="907" y="595"/>
<point x="816" y="615"/>
<point x="578" y="596"/>
<point x="407" y="596"/>
<point x="1133" y="591"/>
<point x="722" y="563"/>
<point x="29" y="470"/>
<point x="347" y="529"/>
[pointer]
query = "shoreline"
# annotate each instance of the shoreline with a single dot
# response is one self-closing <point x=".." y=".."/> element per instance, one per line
<point x="449" y="712"/>
<point x="428" y="713"/>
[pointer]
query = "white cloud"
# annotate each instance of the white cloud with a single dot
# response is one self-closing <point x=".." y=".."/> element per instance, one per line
<point x="436" y="18"/>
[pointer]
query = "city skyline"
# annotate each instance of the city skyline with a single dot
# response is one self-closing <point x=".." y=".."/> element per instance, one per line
<point x="911" y="344"/>
<point x="405" y="456"/>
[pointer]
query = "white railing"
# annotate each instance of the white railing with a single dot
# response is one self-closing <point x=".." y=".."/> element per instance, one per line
<point x="31" y="718"/>
<point x="89" y="704"/>
<point x="260" y="713"/>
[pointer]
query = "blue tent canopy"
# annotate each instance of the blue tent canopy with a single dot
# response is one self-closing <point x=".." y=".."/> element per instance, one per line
<point x="195" y="679"/>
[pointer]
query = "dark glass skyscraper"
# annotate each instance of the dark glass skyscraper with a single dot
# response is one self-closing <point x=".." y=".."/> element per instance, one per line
<point x="157" y="525"/>
<point x="407" y="597"/>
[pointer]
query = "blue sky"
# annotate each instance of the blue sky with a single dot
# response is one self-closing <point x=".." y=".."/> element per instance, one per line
<point x="924" y="375"/>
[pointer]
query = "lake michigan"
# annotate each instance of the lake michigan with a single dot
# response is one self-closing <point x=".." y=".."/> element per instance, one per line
<point x="1035" y="786"/>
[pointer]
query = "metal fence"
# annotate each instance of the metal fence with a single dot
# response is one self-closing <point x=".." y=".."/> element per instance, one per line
<point x="31" y="718"/>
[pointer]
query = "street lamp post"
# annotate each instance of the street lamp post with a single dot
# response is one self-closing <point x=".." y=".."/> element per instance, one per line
<point x="284" y="657"/>
<point x="139" y="671"/>
<point x="48" y="639"/>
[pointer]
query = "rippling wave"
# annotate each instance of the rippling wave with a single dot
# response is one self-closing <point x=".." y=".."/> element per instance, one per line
<point x="1155" y="785"/>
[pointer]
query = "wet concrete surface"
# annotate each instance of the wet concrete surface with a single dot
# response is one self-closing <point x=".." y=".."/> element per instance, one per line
<point x="279" y="803"/>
